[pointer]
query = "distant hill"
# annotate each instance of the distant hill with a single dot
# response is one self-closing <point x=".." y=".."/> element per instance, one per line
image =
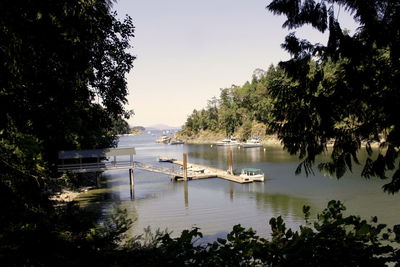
<point x="138" y="128"/>
<point x="160" y="127"/>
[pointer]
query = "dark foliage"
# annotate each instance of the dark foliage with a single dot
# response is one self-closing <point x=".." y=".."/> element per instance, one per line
<point x="62" y="76"/>
<point x="346" y="91"/>
<point x="35" y="231"/>
<point x="120" y="126"/>
<point x="62" y="85"/>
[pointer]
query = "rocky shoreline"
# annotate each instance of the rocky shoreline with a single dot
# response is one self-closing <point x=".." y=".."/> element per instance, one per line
<point x="212" y="138"/>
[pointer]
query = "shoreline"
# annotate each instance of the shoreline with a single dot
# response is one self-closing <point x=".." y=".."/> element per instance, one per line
<point x="68" y="195"/>
<point x="267" y="140"/>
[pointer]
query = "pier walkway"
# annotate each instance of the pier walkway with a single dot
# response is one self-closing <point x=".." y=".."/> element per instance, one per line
<point x="81" y="161"/>
<point x="156" y="168"/>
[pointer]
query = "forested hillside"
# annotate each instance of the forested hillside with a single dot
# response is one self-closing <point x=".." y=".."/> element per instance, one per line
<point x="239" y="110"/>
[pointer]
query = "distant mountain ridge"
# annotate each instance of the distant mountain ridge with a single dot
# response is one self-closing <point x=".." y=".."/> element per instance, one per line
<point x="162" y="127"/>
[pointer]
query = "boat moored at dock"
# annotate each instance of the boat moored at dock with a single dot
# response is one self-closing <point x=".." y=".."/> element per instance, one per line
<point x="252" y="174"/>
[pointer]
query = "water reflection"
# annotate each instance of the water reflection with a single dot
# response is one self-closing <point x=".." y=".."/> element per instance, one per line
<point x="231" y="190"/>
<point x="95" y="196"/>
<point x="132" y="191"/>
<point x="186" y="193"/>
<point x="283" y="205"/>
<point x="108" y="191"/>
<point x="215" y="205"/>
<point x="241" y="155"/>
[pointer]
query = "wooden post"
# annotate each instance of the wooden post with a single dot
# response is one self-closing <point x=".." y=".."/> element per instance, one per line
<point x="230" y="162"/>
<point x="131" y="177"/>
<point x="131" y="183"/>
<point x="185" y="167"/>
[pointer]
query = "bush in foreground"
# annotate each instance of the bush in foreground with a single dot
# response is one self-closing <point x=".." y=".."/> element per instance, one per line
<point x="332" y="240"/>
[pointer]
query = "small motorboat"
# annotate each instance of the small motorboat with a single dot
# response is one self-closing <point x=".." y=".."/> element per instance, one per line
<point x="252" y="174"/>
<point x="253" y="142"/>
<point x="228" y="142"/>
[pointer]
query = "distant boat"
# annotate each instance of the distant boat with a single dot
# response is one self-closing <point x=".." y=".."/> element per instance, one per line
<point x="163" y="139"/>
<point x="162" y="159"/>
<point x="228" y="142"/>
<point x="253" y="142"/>
<point x="176" y="142"/>
<point x="252" y="174"/>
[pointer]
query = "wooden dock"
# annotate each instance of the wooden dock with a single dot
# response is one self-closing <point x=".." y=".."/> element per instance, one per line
<point x="75" y="161"/>
<point x="194" y="173"/>
<point x="99" y="160"/>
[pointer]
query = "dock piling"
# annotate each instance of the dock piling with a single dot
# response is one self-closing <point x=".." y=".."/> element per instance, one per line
<point x="131" y="177"/>
<point x="131" y="182"/>
<point x="185" y="173"/>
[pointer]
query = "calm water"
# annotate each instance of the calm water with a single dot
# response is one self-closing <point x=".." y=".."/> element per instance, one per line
<point x="215" y="205"/>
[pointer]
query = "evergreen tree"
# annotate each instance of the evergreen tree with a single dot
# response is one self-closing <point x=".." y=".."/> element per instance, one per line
<point x="62" y="79"/>
<point x="346" y="90"/>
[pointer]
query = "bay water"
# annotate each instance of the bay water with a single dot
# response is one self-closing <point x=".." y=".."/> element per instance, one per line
<point x="216" y="205"/>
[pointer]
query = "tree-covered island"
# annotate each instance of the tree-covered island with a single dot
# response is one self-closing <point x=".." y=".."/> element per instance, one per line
<point x="62" y="86"/>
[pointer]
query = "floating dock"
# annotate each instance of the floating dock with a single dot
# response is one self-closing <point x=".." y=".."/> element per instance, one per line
<point x="196" y="172"/>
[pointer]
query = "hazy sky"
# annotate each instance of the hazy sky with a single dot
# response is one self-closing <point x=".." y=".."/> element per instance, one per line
<point x="188" y="49"/>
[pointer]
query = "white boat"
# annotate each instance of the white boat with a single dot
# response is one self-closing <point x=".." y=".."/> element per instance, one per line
<point x="252" y="174"/>
<point x="163" y="139"/>
<point x="228" y="142"/>
<point x="253" y="142"/>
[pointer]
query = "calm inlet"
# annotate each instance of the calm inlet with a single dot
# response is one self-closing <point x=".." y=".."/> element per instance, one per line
<point x="215" y="205"/>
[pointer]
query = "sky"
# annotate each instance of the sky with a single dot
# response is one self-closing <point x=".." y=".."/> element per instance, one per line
<point x="187" y="50"/>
